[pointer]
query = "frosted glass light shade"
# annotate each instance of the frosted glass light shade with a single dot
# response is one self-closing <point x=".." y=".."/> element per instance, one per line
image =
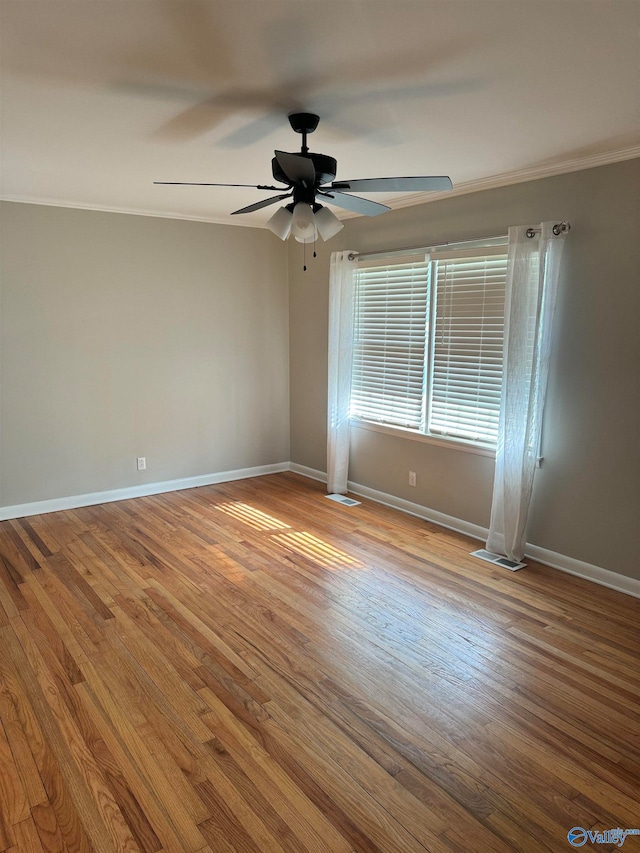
<point x="280" y="223"/>
<point x="328" y="223"/>
<point x="302" y="224"/>
<point x="310" y="239"/>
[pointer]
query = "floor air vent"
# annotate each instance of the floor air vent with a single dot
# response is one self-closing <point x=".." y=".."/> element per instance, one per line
<point x="498" y="560"/>
<point x="343" y="499"/>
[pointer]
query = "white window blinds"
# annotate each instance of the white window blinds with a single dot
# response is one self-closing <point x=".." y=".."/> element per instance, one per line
<point x="428" y="339"/>
<point x="390" y="341"/>
<point x="466" y="359"/>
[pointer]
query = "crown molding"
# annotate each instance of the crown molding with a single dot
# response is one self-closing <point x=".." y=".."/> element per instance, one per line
<point x="505" y="179"/>
<point x="170" y="214"/>
<point x="520" y="176"/>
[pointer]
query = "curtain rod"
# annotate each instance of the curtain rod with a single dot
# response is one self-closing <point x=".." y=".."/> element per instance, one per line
<point x="417" y="249"/>
<point x="558" y="228"/>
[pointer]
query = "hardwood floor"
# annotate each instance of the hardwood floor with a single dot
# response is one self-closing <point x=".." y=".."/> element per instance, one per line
<point x="252" y="667"/>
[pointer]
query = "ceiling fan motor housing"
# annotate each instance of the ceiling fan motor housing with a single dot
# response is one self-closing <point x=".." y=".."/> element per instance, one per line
<point x="324" y="165"/>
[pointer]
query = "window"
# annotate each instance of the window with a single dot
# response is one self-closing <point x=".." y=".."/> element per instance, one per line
<point x="428" y="342"/>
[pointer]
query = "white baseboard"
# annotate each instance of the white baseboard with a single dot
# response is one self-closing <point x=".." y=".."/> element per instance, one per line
<point x="448" y="521"/>
<point x="570" y="565"/>
<point x="310" y="473"/>
<point x="588" y="571"/>
<point x="75" y="501"/>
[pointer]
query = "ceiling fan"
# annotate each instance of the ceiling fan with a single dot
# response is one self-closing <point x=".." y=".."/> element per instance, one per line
<point x="309" y="178"/>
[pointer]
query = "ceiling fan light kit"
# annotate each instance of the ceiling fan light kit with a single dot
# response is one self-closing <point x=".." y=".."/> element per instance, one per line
<point x="283" y="223"/>
<point x="307" y="175"/>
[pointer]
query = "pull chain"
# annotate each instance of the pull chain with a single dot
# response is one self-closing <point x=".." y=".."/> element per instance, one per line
<point x="304" y="252"/>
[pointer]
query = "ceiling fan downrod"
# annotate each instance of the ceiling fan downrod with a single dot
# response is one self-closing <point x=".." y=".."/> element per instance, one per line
<point x="304" y="123"/>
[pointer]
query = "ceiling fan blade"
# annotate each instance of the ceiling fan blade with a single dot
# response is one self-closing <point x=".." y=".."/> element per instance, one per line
<point x="440" y="183"/>
<point x="296" y="167"/>
<point x="199" y="184"/>
<point x="260" y="204"/>
<point x="355" y="203"/>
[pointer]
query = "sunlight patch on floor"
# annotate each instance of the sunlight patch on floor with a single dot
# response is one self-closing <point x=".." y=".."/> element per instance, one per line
<point x="255" y="518"/>
<point x="321" y="552"/>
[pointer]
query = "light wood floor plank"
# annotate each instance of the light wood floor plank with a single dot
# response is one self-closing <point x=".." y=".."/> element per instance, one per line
<point x="250" y="667"/>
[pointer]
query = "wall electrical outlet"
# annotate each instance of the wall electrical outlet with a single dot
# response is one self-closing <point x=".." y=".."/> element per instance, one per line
<point x="142" y="463"/>
<point x="412" y="478"/>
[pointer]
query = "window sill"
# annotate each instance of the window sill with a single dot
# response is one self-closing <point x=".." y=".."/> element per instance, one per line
<point x="412" y="435"/>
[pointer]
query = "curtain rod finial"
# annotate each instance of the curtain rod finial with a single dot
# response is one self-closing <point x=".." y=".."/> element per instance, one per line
<point x="561" y="228"/>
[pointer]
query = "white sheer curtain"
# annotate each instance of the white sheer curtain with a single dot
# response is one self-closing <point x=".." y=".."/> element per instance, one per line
<point x="532" y="281"/>
<point x="341" y="297"/>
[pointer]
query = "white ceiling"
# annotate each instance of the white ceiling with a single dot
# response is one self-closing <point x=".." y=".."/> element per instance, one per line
<point x="102" y="97"/>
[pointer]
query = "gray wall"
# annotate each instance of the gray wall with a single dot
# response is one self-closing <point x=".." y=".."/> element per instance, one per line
<point x="586" y="496"/>
<point x="126" y="336"/>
